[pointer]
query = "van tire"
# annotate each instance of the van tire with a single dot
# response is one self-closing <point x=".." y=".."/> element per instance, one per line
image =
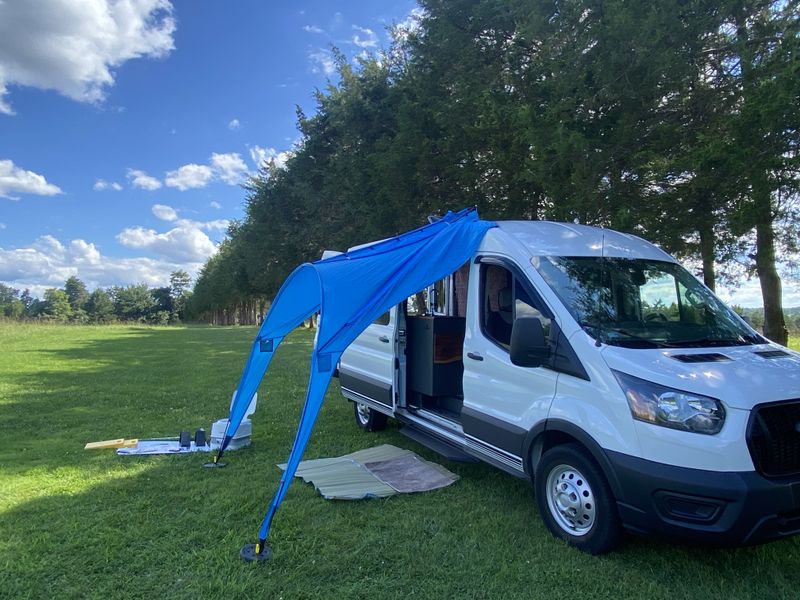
<point x="369" y="419"/>
<point x="575" y="500"/>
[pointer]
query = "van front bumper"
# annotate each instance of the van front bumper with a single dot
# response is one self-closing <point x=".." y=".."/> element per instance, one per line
<point x="729" y="508"/>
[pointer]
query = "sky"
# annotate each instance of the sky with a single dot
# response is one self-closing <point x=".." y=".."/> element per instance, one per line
<point x="128" y="126"/>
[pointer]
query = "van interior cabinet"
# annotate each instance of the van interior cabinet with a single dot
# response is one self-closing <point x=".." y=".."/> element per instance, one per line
<point x="434" y="349"/>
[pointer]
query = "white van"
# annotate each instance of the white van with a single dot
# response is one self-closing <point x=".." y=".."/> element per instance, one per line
<point x="591" y="361"/>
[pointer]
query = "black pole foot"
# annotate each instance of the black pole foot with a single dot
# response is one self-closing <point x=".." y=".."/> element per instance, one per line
<point x="255" y="552"/>
<point x="215" y="464"/>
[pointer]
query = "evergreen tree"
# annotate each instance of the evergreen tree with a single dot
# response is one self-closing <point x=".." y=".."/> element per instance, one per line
<point x="100" y="307"/>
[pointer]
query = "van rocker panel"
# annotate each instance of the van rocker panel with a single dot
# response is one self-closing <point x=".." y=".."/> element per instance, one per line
<point x="377" y="391"/>
<point x="494" y="431"/>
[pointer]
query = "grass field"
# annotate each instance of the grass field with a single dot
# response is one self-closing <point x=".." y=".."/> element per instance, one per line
<point x="79" y="524"/>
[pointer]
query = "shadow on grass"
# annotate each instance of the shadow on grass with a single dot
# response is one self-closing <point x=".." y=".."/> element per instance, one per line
<point x="82" y="524"/>
<point x="173" y="530"/>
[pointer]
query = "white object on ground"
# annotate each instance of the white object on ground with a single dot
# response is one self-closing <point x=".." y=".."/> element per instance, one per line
<point x="241" y="438"/>
<point x="162" y="447"/>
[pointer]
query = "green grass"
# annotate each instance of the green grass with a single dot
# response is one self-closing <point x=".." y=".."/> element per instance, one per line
<point x="80" y="524"/>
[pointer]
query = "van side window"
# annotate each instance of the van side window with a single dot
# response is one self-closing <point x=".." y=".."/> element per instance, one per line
<point x="504" y="298"/>
<point x="383" y="319"/>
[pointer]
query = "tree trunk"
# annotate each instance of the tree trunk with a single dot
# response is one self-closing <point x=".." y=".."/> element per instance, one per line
<point x="707" y="254"/>
<point x="774" y="324"/>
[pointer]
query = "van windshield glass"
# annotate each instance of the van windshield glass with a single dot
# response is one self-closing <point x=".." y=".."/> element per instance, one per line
<point x="640" y="303"/>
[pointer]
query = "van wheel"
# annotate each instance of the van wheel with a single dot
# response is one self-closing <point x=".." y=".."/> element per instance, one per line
<point x="368" y="419"/>
<point x="575" y="500"/>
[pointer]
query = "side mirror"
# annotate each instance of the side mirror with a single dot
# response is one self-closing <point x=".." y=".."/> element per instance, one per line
<point x="528" y="345"/>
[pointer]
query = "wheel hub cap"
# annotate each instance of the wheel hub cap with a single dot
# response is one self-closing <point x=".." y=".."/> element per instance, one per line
<point x="570" y="500"/>
<point x="363" y="412"/>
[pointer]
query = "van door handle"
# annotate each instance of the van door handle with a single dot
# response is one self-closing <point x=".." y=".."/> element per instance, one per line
<point x="474" y="356"/>
<point x="384" y="339"/>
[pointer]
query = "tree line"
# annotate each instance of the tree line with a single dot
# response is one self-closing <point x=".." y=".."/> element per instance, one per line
<point x="677" y="120"/>
<point x="75" y="304"/>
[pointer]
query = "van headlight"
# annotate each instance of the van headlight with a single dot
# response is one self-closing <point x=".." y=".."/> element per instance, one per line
<point x="660" y="405"/>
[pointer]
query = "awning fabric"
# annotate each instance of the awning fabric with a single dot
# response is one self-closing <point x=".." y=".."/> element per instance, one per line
<point x="350" y="291"/>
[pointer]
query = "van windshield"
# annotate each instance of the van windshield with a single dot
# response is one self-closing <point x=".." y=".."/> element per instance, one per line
<point x="640" y="303"/>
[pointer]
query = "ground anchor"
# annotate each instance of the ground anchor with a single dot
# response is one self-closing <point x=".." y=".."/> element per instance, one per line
<point x="255" y="552"/>
<point x="215" y="464"/>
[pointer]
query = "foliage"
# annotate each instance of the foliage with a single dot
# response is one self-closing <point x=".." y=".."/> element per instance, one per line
<point x="100" y="307"/>
<point x="11" y="305"/>
<point x="678" y="121"/>
<point x="56" y="305"/>
<point x="75" y="304"/>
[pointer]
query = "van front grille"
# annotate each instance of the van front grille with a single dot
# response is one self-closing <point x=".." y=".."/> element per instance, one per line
<point x="774" y="438"/>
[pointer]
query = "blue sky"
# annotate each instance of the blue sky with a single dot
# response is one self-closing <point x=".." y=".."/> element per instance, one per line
<point x="126" y="126"/>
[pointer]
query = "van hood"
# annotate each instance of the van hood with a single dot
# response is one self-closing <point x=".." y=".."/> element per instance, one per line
<point x="740" y="376"/>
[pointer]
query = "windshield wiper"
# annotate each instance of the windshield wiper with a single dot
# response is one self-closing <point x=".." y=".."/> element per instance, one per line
<point x="632" y="337"/>
<point x="710" y="342"/>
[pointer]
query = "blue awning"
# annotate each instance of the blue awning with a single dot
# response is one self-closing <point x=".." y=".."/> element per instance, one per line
<point x="350" y="291"/>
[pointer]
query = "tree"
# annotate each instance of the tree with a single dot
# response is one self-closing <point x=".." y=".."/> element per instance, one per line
<point x="133" y="303"/>
<point x="100" y="307"/>
<point x="10" y="304"/>
<point x="76" y="293"/>
<point x="56" y="305"/>
<point x="179" y="283"/>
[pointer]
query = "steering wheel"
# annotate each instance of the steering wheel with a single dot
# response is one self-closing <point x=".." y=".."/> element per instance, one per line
<point x="656" y="316"/>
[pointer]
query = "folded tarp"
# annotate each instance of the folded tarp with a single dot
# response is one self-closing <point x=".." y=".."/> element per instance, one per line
<point x="377" y="472"/>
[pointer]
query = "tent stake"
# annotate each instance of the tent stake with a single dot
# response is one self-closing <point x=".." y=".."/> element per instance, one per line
<point x="215" y="464"/>
<point x="258" y="552"/>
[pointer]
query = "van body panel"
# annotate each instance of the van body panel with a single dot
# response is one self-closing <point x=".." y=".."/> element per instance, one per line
<point x="742" y="380"/>
<point x="366" y="369"/>
<point x="725" y="451"/>
<point x="545" y="238"/>
<point x="493" y="386"/>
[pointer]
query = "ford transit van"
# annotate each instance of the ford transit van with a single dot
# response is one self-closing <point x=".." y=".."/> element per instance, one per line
<point x="592" y="362"/>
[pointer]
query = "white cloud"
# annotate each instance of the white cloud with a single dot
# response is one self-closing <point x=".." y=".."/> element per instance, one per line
<point x="216" y="205"/>
<point x="322" y="61"/>
<point x="261" y="157"/>
<point x="2" y="225"/>
<point x="230" y="167"/>
<point x="181" y="244"/>
<point x="748" y="294"/>
<point x="164" y="212"/>
<point x="411" y="24"/>
<point x="234" y="124"/>
<point x="185" y="242"/>
<point x="14" y="180"/>
<point x="102" y="185"/>
<point x="369" y="39"/>
<point x="313" y="29"/>
<point x="49" y="263"/>
<point x="74" y="47"/>
<point x="142" y="180"/>
<point x="189" y="176"/>
<point x="215" y="225"/>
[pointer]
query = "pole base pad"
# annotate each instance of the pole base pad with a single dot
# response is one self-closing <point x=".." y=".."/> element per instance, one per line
<point x="248" y="553"/>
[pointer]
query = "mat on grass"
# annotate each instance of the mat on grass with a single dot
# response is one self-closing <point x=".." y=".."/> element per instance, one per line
<point x="373" y="473"/>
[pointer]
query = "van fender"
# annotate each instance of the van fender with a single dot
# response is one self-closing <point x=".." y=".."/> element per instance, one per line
<point x="552" y="432"/>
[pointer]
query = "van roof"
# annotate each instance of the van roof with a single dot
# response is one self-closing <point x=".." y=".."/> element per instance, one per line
<point x="547" y="238"/>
